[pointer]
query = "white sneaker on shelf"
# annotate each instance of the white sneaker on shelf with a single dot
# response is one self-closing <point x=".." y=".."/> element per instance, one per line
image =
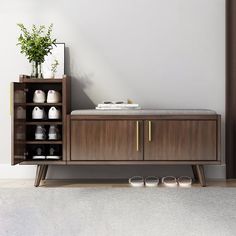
<point x="39" y="154"/>
<point x="19" y="96"/>
<point x="20" y="132"/>
<point x="54" y="113"/>
<point x="38" y="114"/>
<point x="53" y="154"/>
<point x="20" y="113"/>
<point x="39" y="96"/>
<point x="40" y="133"/>
<point x="54" y="133"/>
<point x="53" y="96"/>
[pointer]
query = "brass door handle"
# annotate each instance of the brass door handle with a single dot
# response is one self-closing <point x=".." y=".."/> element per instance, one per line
<point x="137" y="136"/>
<point x="149" y="131"/>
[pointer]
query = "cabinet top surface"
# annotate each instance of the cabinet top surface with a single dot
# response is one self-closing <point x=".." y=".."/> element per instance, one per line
<point x="145" y="112"/>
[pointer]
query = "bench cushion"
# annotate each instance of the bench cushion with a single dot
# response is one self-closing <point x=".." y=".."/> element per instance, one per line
<point x="145" y="112"/>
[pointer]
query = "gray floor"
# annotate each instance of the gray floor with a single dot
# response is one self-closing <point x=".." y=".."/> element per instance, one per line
<point x="117" y="211"/>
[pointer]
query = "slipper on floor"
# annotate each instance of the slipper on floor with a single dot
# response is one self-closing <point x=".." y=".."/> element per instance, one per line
<point x="151" y="181"/>
<point x="169" y="181"/>
<point x="185" y="181"/>
<point x="136" y="181"/>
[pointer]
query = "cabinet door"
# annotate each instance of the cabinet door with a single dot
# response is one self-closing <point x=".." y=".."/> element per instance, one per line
<point x="180" y="140"/>
<point x="18" y="117"/>
<point x="112" y="140"/>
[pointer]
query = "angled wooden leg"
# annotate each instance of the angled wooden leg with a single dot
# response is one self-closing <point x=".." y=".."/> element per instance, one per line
<point x="45" y="172"/>
<point x="195" y="174"/>
<point x="201" y="175"/>
<point x="39" y="174"/>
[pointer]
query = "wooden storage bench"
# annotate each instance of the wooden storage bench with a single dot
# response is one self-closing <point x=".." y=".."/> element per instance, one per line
<point x="118" y="137"/>
<point x="144" y="137"/>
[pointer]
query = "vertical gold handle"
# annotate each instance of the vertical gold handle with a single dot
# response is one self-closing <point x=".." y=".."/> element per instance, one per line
<point x="137" y="136"/>
<point x="149" y="131"/>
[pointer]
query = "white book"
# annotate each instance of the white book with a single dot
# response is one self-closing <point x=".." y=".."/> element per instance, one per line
<point x="118" y="108"/>
<point x="123" y="105"/>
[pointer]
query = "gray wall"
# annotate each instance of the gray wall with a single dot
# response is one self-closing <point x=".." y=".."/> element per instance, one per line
<point x="160" y="54"/>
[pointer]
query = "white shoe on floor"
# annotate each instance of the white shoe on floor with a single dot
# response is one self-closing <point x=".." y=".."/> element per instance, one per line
<point x="54" y="133"/>
<point x="40" y="133"/>
<point x="151" y="181"/>
<point x="39" y="96"/>
<point x="169" y="181"/>
<point x="185" y="181"/>
<point x="38" y="113"/>
<point x="136" y="181"/>
<point x="54" y="113"/>
<point x="53" y="96"/>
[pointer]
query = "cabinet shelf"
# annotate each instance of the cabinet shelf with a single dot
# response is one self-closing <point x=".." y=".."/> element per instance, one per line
<point x="40" y="142"/>
<point x="44" y="142"/>
<point x="38" y="104"/>
<point x="43" y="123"/>
<point x="44" y="81"/>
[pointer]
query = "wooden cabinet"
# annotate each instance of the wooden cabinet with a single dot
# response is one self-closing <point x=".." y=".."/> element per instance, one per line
<point x="18" y="123"/>
<point x="121" y="139"/>
<point x="24" y="144"/>
<point x="104" y="140"/>
<point x="180" y="140"/>
<point x="160" y="140"/>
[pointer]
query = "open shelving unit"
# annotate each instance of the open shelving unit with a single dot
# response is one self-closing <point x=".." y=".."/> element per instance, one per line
<point x="24" y="144"/>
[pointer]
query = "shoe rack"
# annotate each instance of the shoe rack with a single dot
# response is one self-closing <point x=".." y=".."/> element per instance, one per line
<point x="24" y="144"/>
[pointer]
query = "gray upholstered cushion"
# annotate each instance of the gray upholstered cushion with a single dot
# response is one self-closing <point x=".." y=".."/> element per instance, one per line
<point x="144" y="112"/>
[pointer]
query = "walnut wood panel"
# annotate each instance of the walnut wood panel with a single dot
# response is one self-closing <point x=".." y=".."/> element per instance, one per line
<point x="180" y="140"/>
<point x="136" y="163"/>
<point x="65" y="110"/>
<point x="28" y="79"/>
<point x="17" y="124"/>
<point x="230" y="89"/>
<point x="106" y="140"/>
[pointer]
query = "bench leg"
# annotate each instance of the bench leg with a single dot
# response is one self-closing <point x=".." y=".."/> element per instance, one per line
<point x="195" y="174"/>
<point x="201" y="175"/>
<point x="45" y="172"/>
<point x="39" y="174"/>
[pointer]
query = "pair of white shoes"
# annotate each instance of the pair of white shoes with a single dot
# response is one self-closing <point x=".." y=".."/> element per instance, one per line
<point x="40" y="154"/>
<point x="139" y="181"/>
<point x="20" y="113"/>
<point x="40" y="114"/>
<point x="52" y="96"/>
<point x="20" y="133"/>
<point x="19" y="96"/>
<point x="168" y="181"/>
<point x="182" y="181"/>
<point x="53" y="134"/>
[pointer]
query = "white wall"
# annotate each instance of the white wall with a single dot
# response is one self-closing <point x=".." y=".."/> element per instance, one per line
<point x="161" y="54"/>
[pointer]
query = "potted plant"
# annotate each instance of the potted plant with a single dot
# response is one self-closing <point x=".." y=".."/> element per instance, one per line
<point x="36" y="44"/>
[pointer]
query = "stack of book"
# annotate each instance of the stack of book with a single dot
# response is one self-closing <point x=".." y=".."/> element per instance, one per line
<point x="117" y="106"/>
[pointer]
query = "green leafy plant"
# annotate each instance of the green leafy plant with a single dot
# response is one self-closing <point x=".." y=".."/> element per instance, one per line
<point x="36" y="43"/>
